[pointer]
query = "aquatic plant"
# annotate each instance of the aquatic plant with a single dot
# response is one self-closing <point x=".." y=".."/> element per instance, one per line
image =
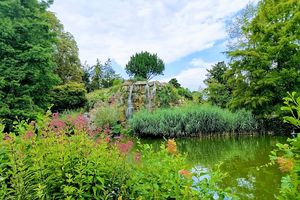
<point x="192" y="120"/>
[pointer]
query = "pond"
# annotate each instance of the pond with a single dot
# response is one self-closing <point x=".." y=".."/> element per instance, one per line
<point x="241" y="157"/>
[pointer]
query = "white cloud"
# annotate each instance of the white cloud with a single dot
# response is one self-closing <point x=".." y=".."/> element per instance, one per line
<point x="193" y="77"/>
<point x="119" y="28"/>
<point x="198" y="62"/>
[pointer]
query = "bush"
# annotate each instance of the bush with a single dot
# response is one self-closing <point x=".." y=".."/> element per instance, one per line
<point x="167" y="95"/>
<point x="105" y="114"/>
<point x="186" y="93"/>
<point x="101" y="95"/>
<point x="191" y="121"/>
<point x="68" y="96"/>
<point x="53" y="165"/>
<point x="287" y="155"/>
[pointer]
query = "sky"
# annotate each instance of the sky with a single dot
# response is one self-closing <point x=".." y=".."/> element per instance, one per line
<point x="188" y="35"/>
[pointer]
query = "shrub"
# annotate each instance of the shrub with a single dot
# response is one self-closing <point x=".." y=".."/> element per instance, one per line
<point x="68" y="96"/>
<point x="105" y="114"/>
<point x="287" y="155"/>
<point x="101" y="95"/>
<point x="191" y="121"/>
<point x="167" y="96"/>
<point x="52" y="165"/>
<point x="186" y="93"/>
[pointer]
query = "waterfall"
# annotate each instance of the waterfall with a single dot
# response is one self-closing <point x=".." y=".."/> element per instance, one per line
<point x="153" y="92"/>
<point x="148" y="97"/>
<point x="129" y="103"/>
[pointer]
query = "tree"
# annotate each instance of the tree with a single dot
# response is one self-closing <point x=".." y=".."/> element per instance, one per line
<point x="145" y="65"/>
<point x="217" y="89"/>
<point x="268" y="64"/>
<point x="175" y="83"/>
<point x="26" y="59"/>
<point x="66" y="54"/>
<point x="97" y="75"/>
<point x="237" y="38"/>
<point x="108" y="75"/>
<point x="103" y="76"/>
<point x="86" y="77"/>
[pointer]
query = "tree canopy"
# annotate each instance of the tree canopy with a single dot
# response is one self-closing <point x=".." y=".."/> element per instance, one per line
<point x="145" y="65"/>
<point x="26" y="58"/>
<point x="102" y="75"/>
<point x="267" y="65"/>
<point x="217" y="89"/>
<point x="68" y="66"/>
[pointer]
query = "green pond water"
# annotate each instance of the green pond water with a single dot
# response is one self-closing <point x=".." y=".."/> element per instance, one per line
<point x="241" y="156"/>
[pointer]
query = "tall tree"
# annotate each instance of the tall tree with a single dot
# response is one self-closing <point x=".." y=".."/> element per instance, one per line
<point x="66" y="54"/>
<point x="26" y="58"/>
<point x="102" y="75"/>
<point x="108" y="75"/>
<point x="86" y="77"/>
<point x="145" y="65"/>
<point x="97" y="75"/>
<point x="217" y="88"/>
<point x="268" y="64"/>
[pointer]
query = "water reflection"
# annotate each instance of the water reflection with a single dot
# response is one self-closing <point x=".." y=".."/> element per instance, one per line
<point x="241" y="156"/>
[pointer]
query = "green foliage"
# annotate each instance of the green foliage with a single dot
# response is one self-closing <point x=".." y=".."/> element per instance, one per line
<point x="144" y="65"/>
<point x="68" y="96"/>
<point x="102" y="95"/>
<point x="167" y="96"/>
<point x="67" y="60"/>
<point x="105" y="114"/>
<point x="292" y="104"/>
<point x="175" y="83"/>
<point x="191" y="120"/>
<point x="26" y="55"/>
<point x="288" y="158"/>
<point x="102" y="76"/>
<point x="96" y="77"/>
<point x="184" y="92"/>
<point x="218" y="89"/>
<point x="52" y="165"/>
<point x="86" y="77"/>
<point x="66" y="54"/>
<point x="266" y="63"/>
<point x="287" y="155"/>
<point x="197" y="97"/>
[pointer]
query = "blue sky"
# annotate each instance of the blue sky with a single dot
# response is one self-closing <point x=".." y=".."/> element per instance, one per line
<point x="189" y="35"/>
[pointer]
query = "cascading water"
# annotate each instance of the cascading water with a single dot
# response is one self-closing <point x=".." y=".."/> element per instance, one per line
<point x="129" y="109"/>
<point x="153" y="92"/>
<point x="148" y="97"/>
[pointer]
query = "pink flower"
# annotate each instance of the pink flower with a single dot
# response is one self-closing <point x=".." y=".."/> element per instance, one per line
<point x="55" y="115"/>
<point x="137" y="157"/>
<point x="107" y="139"/>
<point x="107" y="131"/>
<point x="29" y="135"/>
<point x="7" y="137"/>
<point x="81" y="122"/>
<point x="56" y="124"/>
<point x="124" y="148"/>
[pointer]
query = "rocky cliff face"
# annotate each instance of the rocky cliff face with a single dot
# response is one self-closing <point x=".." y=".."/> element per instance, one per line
<point x="140" y="95"/>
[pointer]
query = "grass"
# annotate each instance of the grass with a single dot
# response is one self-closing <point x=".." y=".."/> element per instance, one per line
<point x="192" y="120"/>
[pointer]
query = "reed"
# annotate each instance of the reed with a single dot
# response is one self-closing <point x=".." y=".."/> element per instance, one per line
<point x="192" y="120"/>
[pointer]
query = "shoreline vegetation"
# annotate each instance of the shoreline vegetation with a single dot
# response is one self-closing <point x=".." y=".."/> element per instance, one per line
<point x="192" y="120"/>
<point x="67" y="159"/>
